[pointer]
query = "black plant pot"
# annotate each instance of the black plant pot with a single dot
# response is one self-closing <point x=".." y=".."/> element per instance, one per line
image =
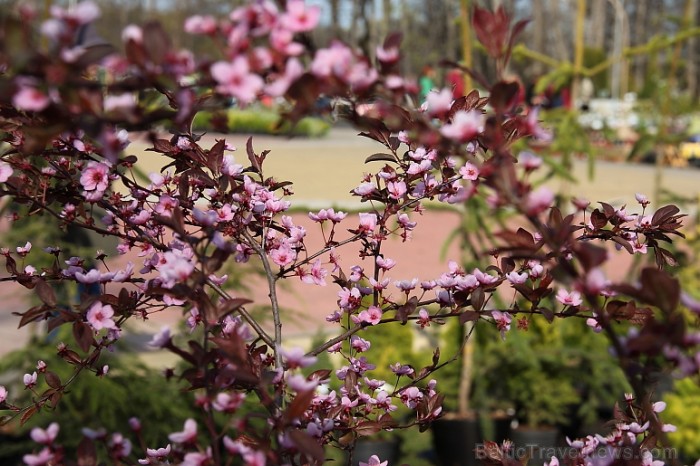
<point x="386" y="450"/>
<point x="456" y="441"/>
<point x="539" y="444"/>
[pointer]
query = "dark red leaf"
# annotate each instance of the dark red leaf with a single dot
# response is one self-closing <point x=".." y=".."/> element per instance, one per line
<point x="307" y="445"/>
<point x="45" y="293"/>
<point x="663" y="214"/>
<point x="477" y="298"/>
<point x="504" y="95"/>
<point x="598" y="219"/>
<point x="468" y="316"/>
<point x="366" y="428"/>
<point x="407" y="309"/>
<point x="298" y="405"/>
<point x="10" y="265"/>
<point x="163" y="146"/>
<point x="33" y="314"/>
<point x="156" y="42"/>
<point x="87" y="453"/>
<point x="254" y="161"/>
<point x="661" y="289"/>
<point x="380" y="156"/>
<point x="53" y="380"/>
<point x="82" y="333"/>
<point x="27" y="415"/>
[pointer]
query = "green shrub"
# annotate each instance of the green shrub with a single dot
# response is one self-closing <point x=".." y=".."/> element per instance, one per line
<point x="130" y="388"/>
<point x="260" y="121"/>
<point x="683" y="411"/>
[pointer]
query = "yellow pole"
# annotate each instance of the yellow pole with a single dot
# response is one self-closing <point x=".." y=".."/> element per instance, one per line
<point x="578" y="52"/>
<point x="466" y="43"/>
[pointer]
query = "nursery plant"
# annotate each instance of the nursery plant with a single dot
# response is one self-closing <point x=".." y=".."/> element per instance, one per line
<point x="212" y="204"/>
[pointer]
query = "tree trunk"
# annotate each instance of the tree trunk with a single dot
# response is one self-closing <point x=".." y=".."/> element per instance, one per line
<point x="559" y="40"/>
<point x="639" y="32"/>
<point x="597" y="30"/>
<point x="335" y="18"/>
<point x="538" y="34"/>
<point x="692" y="67"/>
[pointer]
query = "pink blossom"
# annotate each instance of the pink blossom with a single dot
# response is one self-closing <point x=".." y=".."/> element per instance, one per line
<point x="158" y="454"/>
<point x="372" y="315"/>
<point x="648" y="459"/>
<point x="119" y="446"/>
<point x="162" y="338"/>
<point x="668" y="428"/>
<point x="3" y="394"/>
<point x="199" y="24"/>
<point x="659" y="406"/>
<point x="423" y="318"/>
<point x="642" y="199"/>
<point x="188" y="434"/>
<point x="228" y="402"/>
<point x="82" y="13"/>
<point x="594" y="324"/>
<point x="5" y="171"/>
<point x="389" y="55"/>
<point x="99" y="316"/>
<point x="30" y="99"/>
<point x="572" y="298"/>
<point x="516" y="278"/>
<point x="439" y="102"/>
<point x="465" y="126"/>
<point x="365" y="189"/>
<point x="119" y="102"/>
<point x="235" y="79"/>
<point x="503" y="320"/>
<point x="95" y="177"/>
<point x="299" y="383"/>
<point x="24" y="250"/>
<point x="334" y="60"/>
<point x="368" y="222"/>
<point x="132" y="33"/>
<point x="553" y="462"/>
<point x="29" y="380"/>
<point x="411" y="396"/>
<point x="296" y="358"/>
<point x="359" y="344"/>
<point x="529" y="161"/>
<point x="175" y="268"/>
<point x="93" y="276"/>
<point x="45" y="437"/>
<point x="197" y="458"/>
<point x="374" y="461"/>
<point x="299" y="17"/>
<point x="317" y="275"/>
<point x="396" y="189"/>
<point x="293" y="70"/>
<point x="469" y="171"/>
<point x="44" y="457"/>
<point x="539" y="200"/>
<point x="533" y="126"/>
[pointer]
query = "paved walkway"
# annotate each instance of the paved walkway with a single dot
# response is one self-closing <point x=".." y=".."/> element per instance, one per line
<point x="324" y="171"/>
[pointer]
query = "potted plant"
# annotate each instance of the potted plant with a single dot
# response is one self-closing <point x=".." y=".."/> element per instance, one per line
<point x="533" y="371"/>
<point x="457" y="433"/>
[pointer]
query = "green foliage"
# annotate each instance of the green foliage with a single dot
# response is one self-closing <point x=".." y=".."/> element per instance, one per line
<point x="591" y="57"/>
<point x="570" y="140"/>
<point x="538" y="372"/>
<point x="683" y="411"/>
<point x="130" y="388"/>
<point x="261" y="121"/>
<point x="448" y="377"/>
<point x="390" y="344"/>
